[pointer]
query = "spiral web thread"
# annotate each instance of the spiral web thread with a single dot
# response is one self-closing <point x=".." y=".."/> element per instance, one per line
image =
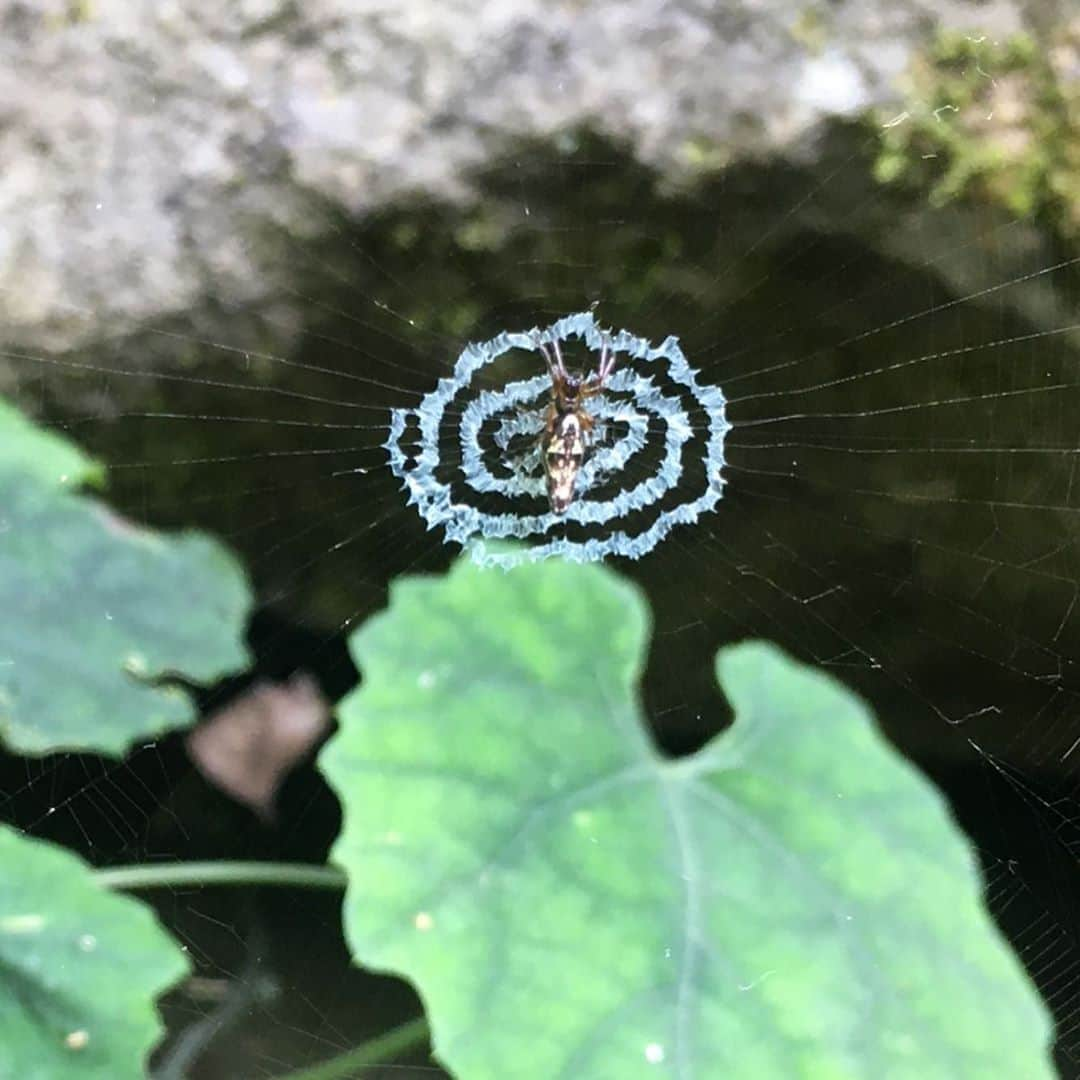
<point x="644" y="401"/>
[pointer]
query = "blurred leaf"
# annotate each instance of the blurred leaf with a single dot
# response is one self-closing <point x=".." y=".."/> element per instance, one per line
<point x="79" y="969"/>
<point x="95" y="611"/>
<point x="793" y="900"/>
<point x="33" y="451"/>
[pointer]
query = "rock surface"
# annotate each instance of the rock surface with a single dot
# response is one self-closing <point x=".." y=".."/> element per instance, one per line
<point x="149" y="148"/>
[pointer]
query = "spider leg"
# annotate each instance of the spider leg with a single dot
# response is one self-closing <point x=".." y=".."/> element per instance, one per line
<point x="604" y="368"/>
<point x="555" y="366"/>
<point x="548" y="359"/>
<point x="561" y="368"/>
<point x="607" y="361"/>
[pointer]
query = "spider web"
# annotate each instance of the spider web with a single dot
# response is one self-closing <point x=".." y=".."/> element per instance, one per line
<point x="899" y="508"/>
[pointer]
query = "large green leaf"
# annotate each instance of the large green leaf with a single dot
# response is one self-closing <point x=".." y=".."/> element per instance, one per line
<point x="93" y="611"/>
<point x="79" y="970"/>
<point x="792" y="901"/>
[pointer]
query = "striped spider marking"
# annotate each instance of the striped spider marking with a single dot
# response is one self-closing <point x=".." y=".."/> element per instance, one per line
<point x="567" y="435"/>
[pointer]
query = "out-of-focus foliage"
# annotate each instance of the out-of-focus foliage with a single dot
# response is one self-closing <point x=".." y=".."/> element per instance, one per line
<point x="96" y="611"/>
<point x="43" y="455"/>
<point x="792" y="900"/>
<point x="998" y="121"/>
<point x="79" y="969"/>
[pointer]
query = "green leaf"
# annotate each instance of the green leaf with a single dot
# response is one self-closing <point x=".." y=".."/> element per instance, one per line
<point x="793" y="900"/>
<point x="34" y="451"/>
<point x="96" y="611"/>
<point x="79" y="969"/>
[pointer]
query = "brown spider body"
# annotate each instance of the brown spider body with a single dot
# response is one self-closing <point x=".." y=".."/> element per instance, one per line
<point x="565" y="441"/>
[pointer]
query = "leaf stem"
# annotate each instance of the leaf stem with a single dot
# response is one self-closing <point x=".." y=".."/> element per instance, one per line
<point x="377" y="1051"/>
<point x="167" y="875"/>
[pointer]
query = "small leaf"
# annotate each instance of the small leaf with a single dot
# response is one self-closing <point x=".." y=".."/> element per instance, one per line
<point x="33" y="451"/>
<point x="793" y="900"/>
<point x="96" y="611"/>
<point x="249" y="746"/>
<point x="79" y="969"/>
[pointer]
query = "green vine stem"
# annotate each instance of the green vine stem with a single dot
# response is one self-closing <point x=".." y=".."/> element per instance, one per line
<point x="170" y="875"/>
<point x="377" y="1051"/>
<point x="289" y="875"/>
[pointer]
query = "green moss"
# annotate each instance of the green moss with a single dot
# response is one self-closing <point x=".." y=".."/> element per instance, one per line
<point x="992" y="121"/>
<point x="811" y="28"/>
<point x="705" y="155"/>
<point x="73" y="13"/>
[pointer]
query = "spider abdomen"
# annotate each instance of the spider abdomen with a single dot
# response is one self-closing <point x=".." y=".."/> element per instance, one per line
<point x="564" y="449"/>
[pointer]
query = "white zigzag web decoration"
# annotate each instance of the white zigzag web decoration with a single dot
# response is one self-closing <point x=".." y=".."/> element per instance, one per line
<point x="629" y="412"/>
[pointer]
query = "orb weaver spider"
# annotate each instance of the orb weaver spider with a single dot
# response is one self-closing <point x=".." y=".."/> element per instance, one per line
<point x="566" y="437"/>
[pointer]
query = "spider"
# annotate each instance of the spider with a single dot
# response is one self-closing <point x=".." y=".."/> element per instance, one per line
<point x="565" y="439"/>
